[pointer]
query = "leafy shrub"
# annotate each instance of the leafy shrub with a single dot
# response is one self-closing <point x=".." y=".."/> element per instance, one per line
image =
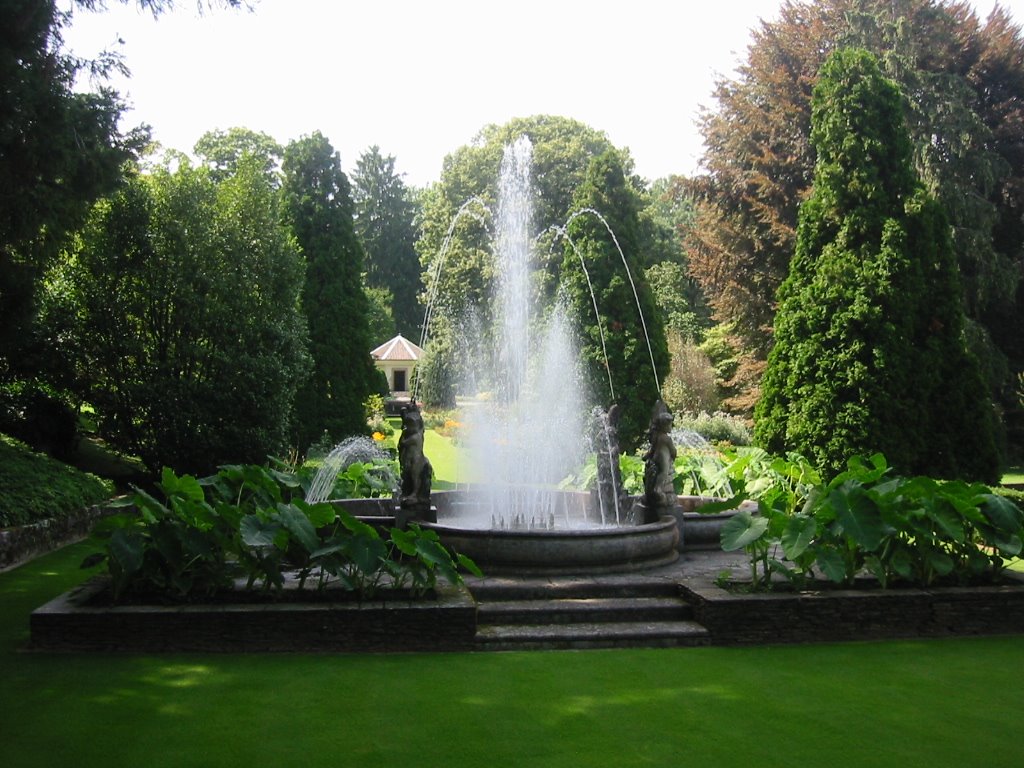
<point x="914" y="530"/>
<point x="717" y="427"/>
<point x="252" y="522"/>
<point x="35" y="487"/>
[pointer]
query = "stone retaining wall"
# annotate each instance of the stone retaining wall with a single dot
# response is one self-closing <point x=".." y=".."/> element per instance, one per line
<point x="75" y="622"/>
<point x="862" y="614"/>
<point x="21" y="544"/>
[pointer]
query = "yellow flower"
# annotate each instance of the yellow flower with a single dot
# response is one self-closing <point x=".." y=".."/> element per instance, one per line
<point x="378" y="436"/>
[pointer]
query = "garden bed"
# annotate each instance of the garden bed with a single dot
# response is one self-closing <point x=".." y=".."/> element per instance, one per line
<point x="835" y="614"/>
<point x="82" y="620"/>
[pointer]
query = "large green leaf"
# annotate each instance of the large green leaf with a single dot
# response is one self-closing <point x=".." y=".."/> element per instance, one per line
<point x="832" y="565"/>
<point x="947" y="520"/>
<point x="940" y="561"/>
<point x="859" y="517"/>
<point x="742" y="530"/>
<point x="127" y="548"/>
<point x="185" y="486"/>
<point x="367" y="553"/>
<point x="1003" y="513"/>
<point x="434" y="554"/>
<point x="298" y="525"/>
<point x="798" y="535"/>
<point x="319" y="514"/>
<point x="257" y="532"/>
<point x="714" y="507"/>
<point x="358" y="527"/>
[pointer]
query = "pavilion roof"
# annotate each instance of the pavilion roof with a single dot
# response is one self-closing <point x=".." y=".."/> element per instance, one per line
<point x="398" y="348"/>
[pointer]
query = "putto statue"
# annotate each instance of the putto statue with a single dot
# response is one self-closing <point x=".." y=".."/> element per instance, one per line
<point x="659" y="466"/>
<point x="605" y="438"/>
<point x="417" y="473"/>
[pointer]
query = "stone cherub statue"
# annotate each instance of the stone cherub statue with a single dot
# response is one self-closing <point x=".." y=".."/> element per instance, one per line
<point x="416" y="471"/>
<point x="659" y="465"/>
<point x="605" y="437"/>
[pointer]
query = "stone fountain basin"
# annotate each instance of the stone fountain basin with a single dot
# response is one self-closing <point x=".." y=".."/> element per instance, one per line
<point x="704" y="531"/>
<point x="589" y="550"/>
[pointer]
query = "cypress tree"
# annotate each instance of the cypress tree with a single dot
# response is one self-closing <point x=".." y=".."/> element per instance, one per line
<point x="635" y="380"/>
<point x="869" y="352"/>
<point x="318" y="200"/>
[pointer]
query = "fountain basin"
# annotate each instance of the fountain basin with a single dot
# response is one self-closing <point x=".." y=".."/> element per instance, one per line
<point x="704" y="531"/>
<point x="590" y="549"/>
<point x="577" y="552"/>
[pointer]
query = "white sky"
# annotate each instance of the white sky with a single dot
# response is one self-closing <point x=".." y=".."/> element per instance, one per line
<point x="420" y="78"/>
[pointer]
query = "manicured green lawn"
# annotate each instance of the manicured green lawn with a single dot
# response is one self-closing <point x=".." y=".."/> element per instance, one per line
<point x="922" y="703"/>
<point x="443" y="455"/>
<point x="1014" y="475"/>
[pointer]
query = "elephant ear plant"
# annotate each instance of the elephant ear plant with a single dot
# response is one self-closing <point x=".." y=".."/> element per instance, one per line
<point x="250" y="525"/>
<point x="866" y="520"/>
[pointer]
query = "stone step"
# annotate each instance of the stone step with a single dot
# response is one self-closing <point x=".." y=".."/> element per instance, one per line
<point x="626" y="586"/>
<point x="653" y="634"/>
<point x="583" y="609"/>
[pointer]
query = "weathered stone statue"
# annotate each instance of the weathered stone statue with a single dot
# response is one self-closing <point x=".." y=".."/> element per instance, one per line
<point x="659" y="466"/>
<point x="416" y="471"/>
<point x="610" y="494"/>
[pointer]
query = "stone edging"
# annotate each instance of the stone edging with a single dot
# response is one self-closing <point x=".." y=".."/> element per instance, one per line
<point x="20" y="544"/>
<point x="849" y="614"/>
<point x="71" y="622"/>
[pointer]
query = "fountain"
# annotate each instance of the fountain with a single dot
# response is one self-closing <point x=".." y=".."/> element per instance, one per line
<point x="533" y="431"/>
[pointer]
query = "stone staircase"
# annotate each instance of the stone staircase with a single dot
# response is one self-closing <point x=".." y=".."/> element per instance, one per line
<point x="555" y="614"/>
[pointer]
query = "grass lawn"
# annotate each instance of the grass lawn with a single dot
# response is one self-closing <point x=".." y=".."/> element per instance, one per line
<point x="443" y="455"/>
<point x="922" y="703"/>
<point x="1013" y="475"/>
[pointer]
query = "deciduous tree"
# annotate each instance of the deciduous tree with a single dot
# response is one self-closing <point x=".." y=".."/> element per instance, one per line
<point x="189" y="338"/>
<point x="963" y="83"/>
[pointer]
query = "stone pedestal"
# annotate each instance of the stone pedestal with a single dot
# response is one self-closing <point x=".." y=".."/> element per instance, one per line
<point x="406" y="515"/>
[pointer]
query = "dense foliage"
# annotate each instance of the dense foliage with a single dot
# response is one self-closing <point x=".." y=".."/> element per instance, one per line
<point x="869" y="353"/>
<point x="385" y="221"/>
<point x="34" y="487"/>
<point x="963" y="86"/>
<point x="60" y="150"/>
<point x="562" y="150"/>
<point x="182" y="302"/>
<point x="252" y="522"/>
<point x="319" y="210"/>
<point x="574" y="167"/>
<point x="628" y="329"/>
<point x="901" y="530"/>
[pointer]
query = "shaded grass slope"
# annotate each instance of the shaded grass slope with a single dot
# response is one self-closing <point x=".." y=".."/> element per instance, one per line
<point x="34" y="486"/>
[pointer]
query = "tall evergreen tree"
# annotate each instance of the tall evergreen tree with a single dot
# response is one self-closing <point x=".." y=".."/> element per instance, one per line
<point x="869" y="352"/>
<point x="60" y="150"/>
<point x="962" y="82"/>
<point x="386" y="226"/>
<point x="319" y="206"/>
<point x="635" y="377"/>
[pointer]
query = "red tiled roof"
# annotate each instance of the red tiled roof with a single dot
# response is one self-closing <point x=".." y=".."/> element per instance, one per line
<point x="399" y="348"/>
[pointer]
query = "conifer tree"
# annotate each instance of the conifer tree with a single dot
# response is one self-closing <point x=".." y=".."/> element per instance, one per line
<point x="319" y="205"/>
<point x="635" y="380"/>
<point x="385" y="223"/>
<point x="869" y="353"/>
